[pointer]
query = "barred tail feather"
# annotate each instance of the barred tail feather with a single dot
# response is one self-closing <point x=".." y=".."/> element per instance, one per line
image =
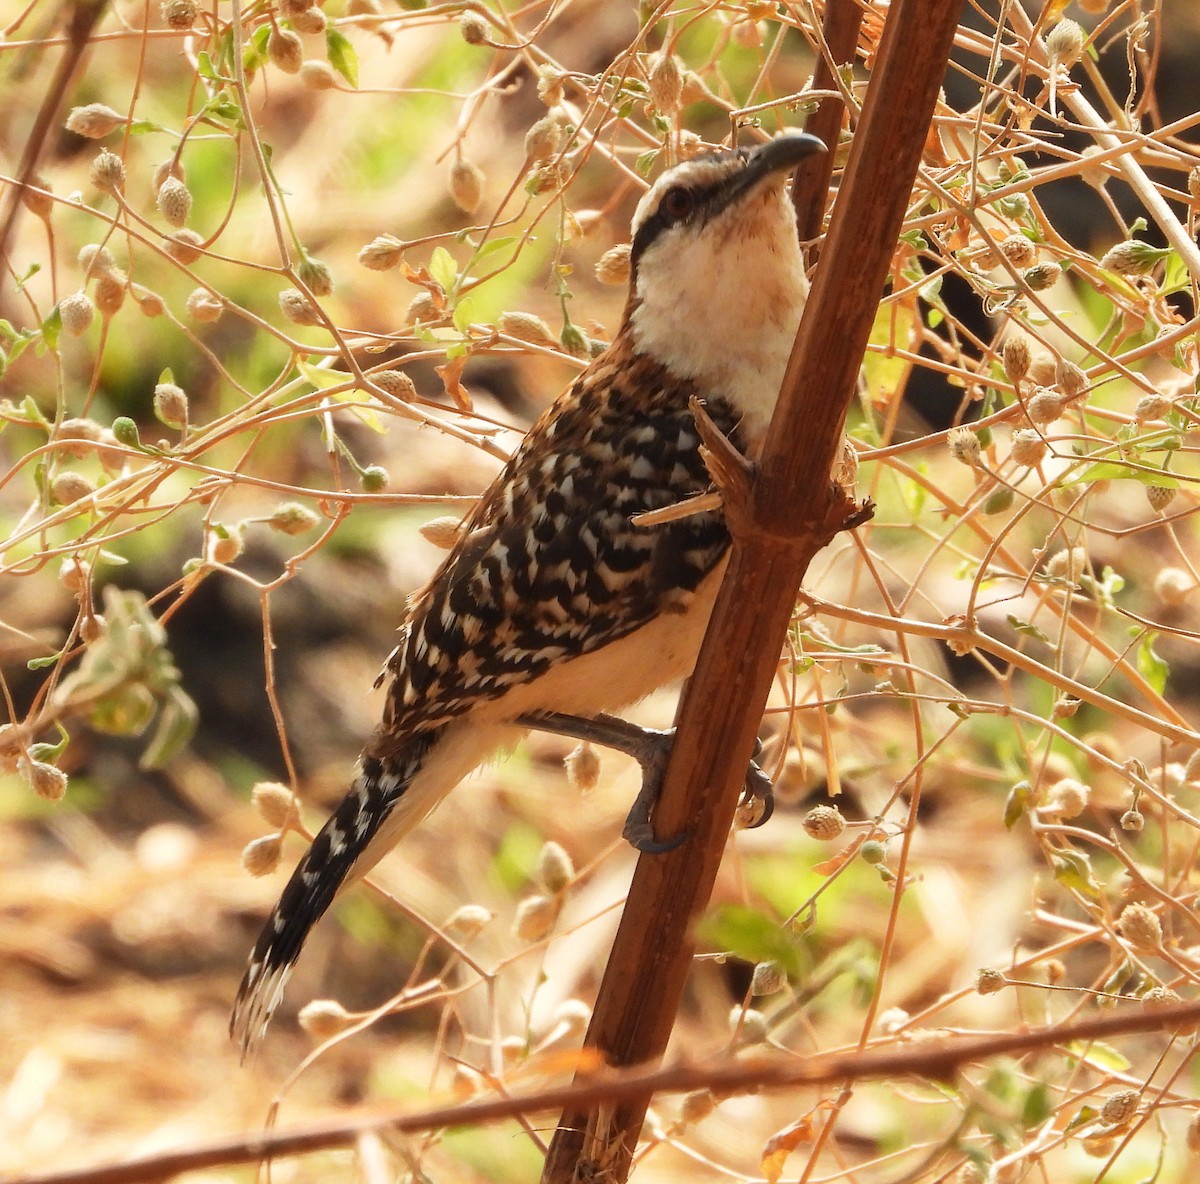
<point x="335" y="856"/>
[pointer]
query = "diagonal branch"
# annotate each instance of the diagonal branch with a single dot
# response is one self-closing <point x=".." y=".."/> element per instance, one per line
<point x="791" y="512"/>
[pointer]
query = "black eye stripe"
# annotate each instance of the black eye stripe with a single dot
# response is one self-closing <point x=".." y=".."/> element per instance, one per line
<point x="663" y="218"/>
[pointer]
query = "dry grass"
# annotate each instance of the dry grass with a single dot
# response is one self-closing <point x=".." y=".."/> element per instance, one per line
<point x="993" y="681"/>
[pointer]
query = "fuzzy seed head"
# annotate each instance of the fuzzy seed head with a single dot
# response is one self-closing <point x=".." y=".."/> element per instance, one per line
<point x="666" y="83"/>
<point x="382" y="253"/>
<point x="824" y="823"/>
<point x="1070" y="379"/>
<point x="110" y="292"/>
<point x="174" y="201"/>
<point x="1160" y="496"/>
<point x="285" y="50"/>
<point x="224" y="546"/>
<point x="544" y="139"/>
<point x="872" y="852"/>
<point x="74" y="574"/>
<point x="108" y="172"/>
<point x="964" y="445"/>
<point x="297" y="307"/>
<point x="1041" y="369"/>
<point x="1173" y="585"/>
<point x="1133" y="821"/>
<point x="292" y="518"/>
<point x="613" y="266"/>
<point x="524" y="326"/>
<point x="767" y="979"/>
<point x="583" y="767"/>
<point x="374" y="479"/>
<point x="1018" y="250"/>
<point x="555" y="869"/>
<point x="989" y="981"/>
<point x="465" y="922"/>
<point x="324" y="1018"/>
<point x="1131" y="258"/>
<point x="171" y="167"/>
<point x="1150" y="407"/>
<point x="1068" y="798"/>
<point x="316" y="276"/>
<point x="474" y="29"/>
<point x="535" y="918"/>
<point x="1044" y="406"/>
<point x="184" y="246"/>
<point x="44" y="779"/>
<point x="95" y="121"/>
<point x="69" y="486"/>
<point x="275" y="803"/>
<point x="1068" y="564"/>
<point x="178" y="14"/>
<point x="1141" y="927"/>
<point x="422" y="310"/>
<point x="550" y="85"/>
<point x="309" y="20"/>
<point x="1193" y="184"/>
<point x="1017" y="356"/>
<point x="442" y="532"/>
<point x="466" y="184"/>
<point x="1065" y="43"/>
<point x="1041" y="276"/>
<point x="261" y="856"/>
<point x="77" y="313"/>
<point x="171" y="404"/>
<point x="697" y="1106"/>
<point x="87" y="431"/>
<point x="203" y="306"/>
<point x="1028" y="447"/>
<point x="318" y="75"/>
<point x="150" y="304"/>
<point x="95" y="260"/>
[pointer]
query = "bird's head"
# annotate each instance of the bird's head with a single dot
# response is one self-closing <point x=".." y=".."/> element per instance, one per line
<point x="717" y="278"/>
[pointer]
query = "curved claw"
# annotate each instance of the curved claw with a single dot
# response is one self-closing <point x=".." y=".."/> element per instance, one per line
<point x="640" y="836"/>
<point x="758" y="785"/>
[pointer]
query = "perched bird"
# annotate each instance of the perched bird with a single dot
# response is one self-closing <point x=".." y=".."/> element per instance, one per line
<point x="553" y="608"/>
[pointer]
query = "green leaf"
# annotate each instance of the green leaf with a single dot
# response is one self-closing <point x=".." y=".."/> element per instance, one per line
<point x="43" y="663"/>
<point x="1017" y="803"/>
<point x="464" y="313"/>
<point x="176" y="724"/>
<point x="1151" y="665"/>
<point x="1028" y="629"/>
<point x="52" y="327"/>
<point x="1074" y="870"/>
<point x="751" y="935"/>
<point x="443" y="268"/>
<point x="1108" y="470"/>
<point x="320" y="377"/>
<point x="493" y="245"/>
<point x="645" y="162"/>
<point x="341" y="54"/>
<point x="1100" y="1056"/>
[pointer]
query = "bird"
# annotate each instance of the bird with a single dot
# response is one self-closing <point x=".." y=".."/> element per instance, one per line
<point x="553" y="608"/>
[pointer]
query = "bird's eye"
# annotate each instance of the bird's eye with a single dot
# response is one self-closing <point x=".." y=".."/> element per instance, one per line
<point x="678" y="203"/>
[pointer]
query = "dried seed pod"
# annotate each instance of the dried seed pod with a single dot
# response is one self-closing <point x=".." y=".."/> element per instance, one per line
<point x="1045" y="406"/>
<point x="184" y="246"/>
<point x="555" y="868"/>
<point x="68" y="487"/>
<point x="466" y="184"/>
<point x="108" y="172"/>
<point x="1141" y="927"/>
<point x="1028" y="447"/>
<point x="261" y="856"/>
<point x="1018" y="250"/>
<point x="1070" y="379"/>
<point x="374" y="479"/>
<point x="824" y="823"/>
<point x="76" y="312"/>
<point x="422" y="310"/>
<point x="1160" y="496"/>
<point x="613" y="266"/>
<point x="95" y="260"/>
<point x="171" y="167"/>
<point x="174" y="201"/>
<point x="474" y="29"/>
<point x="178" y="14"/>
<point x="545" y="138"/>
<point x="318" y="74"/>
<point x="382" y="253"/>
<point x="989" y="981"/>
<point x="1133" y="821"/>
<point x="442" y="532"/>
<point x="225" y="543"/>
<point x="275" y="803"/>
<point x="1042" y="276"/>
<point x="150" y="304"/>
<point x="1173" y="586"/>
<point x="550" y="85"/>
<point x="467" y="920"/>
<point x="297" y="308"/>
<point x="171" y="404"/>
<point x="1151" y="407"/>
<point x="1068" y="798"/>
<point x="1132" y="257"/>
<point x="44" y="779"/>
<point x="583" y="767"/>
<point x="395" y="383"/>
<point x="524" y="326"/>
<point x="203" y="306"/>
<point x="324" y="1018"/>
<point x="309" y="20"/>
<point x="1017" y="356"/>
<point x="767" y="979"/>
<point x="95" y="121"/>
<point x="964" y="445"/>
<point x="110" y="292"/>
<point x="285" y="50"/>
<point x="316" y="276"/>
<point x="535" y="917"/>
<point x="292" y="518"/>
<point x="1065" y="43"/>
<point x="666" y="83"/>
<point x="35" y="197"/>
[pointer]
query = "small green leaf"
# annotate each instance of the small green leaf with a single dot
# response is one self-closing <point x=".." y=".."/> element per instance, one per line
<point x="1151" y="664"/>
<point x="52" y="327"/>
<point x="464" y="313"/>
<point x="493" y="245"/>
<point x="321" y="377"/>
<point x="1018" y="801"/>
<point x="443" y="268"/>
<point x="1027" y="629"/>
<point x="341" y="54"/>
<point x="645" y="162"/>
<point x="1074" y="870"/>
<point x="1100" y="1056"/>
<point x="43" y="663"/>
<point x="751" y="935"/>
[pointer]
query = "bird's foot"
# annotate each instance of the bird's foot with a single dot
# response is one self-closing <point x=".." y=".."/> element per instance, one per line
<point x="650" y="747"/>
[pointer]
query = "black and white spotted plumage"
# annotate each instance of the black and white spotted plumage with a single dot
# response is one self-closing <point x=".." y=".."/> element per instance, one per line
<point x="552" y="600"/>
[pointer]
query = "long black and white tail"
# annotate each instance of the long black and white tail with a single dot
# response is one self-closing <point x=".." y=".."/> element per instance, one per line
<point x="341" y="844"/>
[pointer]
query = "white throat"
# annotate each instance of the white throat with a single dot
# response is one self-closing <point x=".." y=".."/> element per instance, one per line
<point x="720" y="304"/>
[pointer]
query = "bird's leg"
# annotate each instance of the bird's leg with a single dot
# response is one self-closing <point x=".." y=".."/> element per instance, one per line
<point x="650" y="747"/>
